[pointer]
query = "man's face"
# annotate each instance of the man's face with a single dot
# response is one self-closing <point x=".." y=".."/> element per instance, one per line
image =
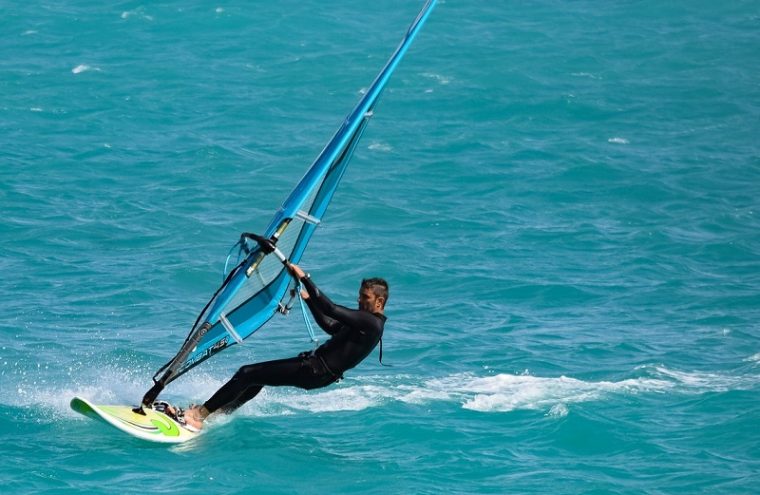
<point x="368" y="301"/>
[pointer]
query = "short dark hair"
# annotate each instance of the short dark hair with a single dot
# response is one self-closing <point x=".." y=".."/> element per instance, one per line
<point x="378" y="286"/>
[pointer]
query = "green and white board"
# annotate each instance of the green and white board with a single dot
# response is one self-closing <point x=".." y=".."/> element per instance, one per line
<point x="153" y="426"/>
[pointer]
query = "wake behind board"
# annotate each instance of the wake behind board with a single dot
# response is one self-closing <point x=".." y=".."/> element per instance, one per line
<point x="153" y="426"/>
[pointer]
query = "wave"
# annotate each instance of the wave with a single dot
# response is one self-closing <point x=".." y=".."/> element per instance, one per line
<point x="505" y="392"/>
<point x="755" y="358"/>
<point x="500" y="392"/>
<point x="496" y="393"/>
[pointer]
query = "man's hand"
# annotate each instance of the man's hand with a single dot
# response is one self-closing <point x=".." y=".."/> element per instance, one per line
<point x="296" y="271"/>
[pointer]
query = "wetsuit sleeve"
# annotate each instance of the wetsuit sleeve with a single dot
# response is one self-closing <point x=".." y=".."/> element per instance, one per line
<point x="321" y="304"/>
<point x="329" y="325"/>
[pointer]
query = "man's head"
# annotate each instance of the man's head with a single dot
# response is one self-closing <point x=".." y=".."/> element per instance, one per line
<point x="373" y="294"/>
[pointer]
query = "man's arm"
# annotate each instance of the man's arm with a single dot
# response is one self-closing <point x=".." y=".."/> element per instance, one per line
<point x="321" y="305"/>
<point x="329" y="325"/>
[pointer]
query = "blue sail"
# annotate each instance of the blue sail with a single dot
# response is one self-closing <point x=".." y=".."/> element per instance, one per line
<point x="252" y="292"/>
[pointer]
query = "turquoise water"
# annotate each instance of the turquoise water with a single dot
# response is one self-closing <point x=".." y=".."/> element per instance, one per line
<point x="563" y="196"/>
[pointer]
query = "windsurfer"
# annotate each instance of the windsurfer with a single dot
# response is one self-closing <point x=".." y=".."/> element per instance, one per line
<point x="354" y="334"/>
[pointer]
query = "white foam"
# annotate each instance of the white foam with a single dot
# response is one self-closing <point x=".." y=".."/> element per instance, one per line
<point x="700" y="382"/>
<point x="420" y="395"/>
<point x="617" y="140"/>
<point x="558" y="411"/>
<point x="137" y="12"/>
<point x="380" y="147"/>
<point x="104" y="386"/>
<point x="442" y="80"/>
<point x="498" y="393"/>
<point x="506" y="392"/>
<point x="353" y="398"/>
<point x="585" y="74"/>
<point x="495" y="393"/>
<point x="503" y="392"/>
<point x="755" y="358"/>
<point x="80" y="68"/>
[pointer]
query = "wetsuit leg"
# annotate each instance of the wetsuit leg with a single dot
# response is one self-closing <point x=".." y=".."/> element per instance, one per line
<point x="306" y="373"/>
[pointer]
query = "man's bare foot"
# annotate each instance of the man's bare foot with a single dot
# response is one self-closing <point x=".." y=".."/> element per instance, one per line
<point x="195" y="415"/>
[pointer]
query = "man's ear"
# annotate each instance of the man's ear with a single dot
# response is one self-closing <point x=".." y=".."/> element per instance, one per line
<point x="380" y="300"/>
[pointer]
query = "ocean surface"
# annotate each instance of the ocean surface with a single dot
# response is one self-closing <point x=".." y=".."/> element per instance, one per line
<point x="563" y="196"/>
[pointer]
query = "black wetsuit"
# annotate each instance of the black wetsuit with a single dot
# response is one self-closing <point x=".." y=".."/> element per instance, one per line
<point x="354" y="334"/>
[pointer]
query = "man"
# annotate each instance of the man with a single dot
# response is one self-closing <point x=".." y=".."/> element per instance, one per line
<point x="354" y="334"/>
